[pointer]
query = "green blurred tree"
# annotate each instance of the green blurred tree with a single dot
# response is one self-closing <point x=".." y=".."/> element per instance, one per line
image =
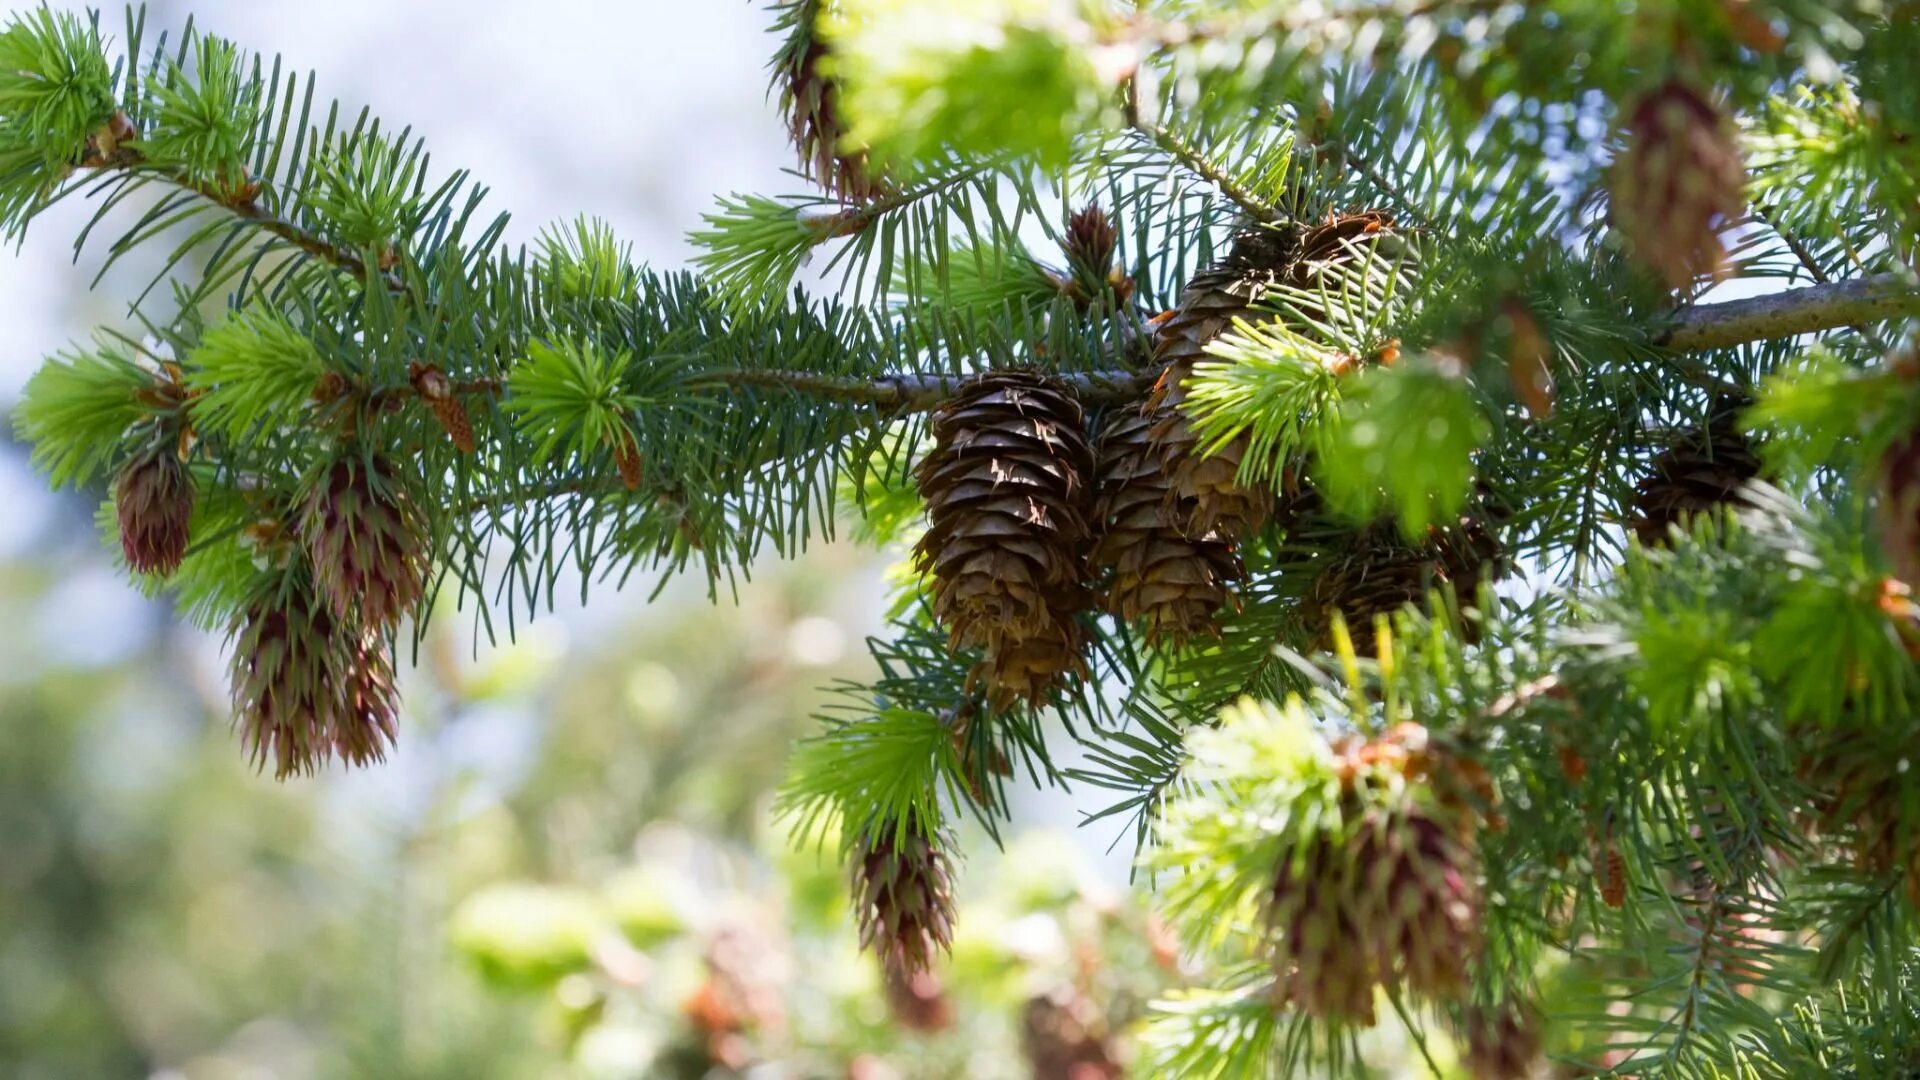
<point x="1433" y="282"/>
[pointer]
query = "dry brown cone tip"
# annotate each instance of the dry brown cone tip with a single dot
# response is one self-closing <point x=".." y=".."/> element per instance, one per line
<point x="915" y="999"/>
<point x="810" y="100"/>
<point x="1006" y="488"/>
<point x="1680" y="179"/>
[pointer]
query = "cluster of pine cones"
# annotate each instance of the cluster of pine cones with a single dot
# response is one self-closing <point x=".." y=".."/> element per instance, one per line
<point x="312" y="676"/>
<point x="1035" y="523"/>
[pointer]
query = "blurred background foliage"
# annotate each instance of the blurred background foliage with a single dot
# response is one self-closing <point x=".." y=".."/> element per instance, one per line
<point x="614" y="901"/>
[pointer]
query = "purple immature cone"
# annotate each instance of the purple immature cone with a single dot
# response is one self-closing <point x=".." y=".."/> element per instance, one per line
<point x="1389" y="899"/>
<point x="304" y="687"/>
<point x="1418" y="899"/>
<point x="365" y="538"/>
<point x="153" y="499"/>
<point x="1324" y="968"/>
<point x="903" y="897"/>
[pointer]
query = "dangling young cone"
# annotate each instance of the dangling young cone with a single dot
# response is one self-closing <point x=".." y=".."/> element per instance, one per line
<point x="1704" y="469"/>
<point x="1321" y="947"/>
<point x="1387" y="894"/>
<point x="153" y="500"/>
<point x="1262" y="261"/>
<point x="1006" y="488"/>
<point x="1679" y="181"/>
<point x="902" y="896"/>
<point x="1156" y="575"/>
<point x="811" y="103"/>
<point x="1418" y="900"/>
<point x="305" y="686"/>
<point x="366" y="541"/>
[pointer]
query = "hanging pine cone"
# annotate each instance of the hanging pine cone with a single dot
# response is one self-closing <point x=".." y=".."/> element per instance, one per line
<point x="1261" y="261"/>
<point x="1066" y="1037"/>
<point x="1006" y="493"/>
<point x="366" y="541"/>
<point x="1320" y="952"/>
<point x="1678" y="182"/>
<point x="305" y="686"/>
<point x="1418" y="901"/>
<point x="811" y="103"/>
<point x="153" y="501"/>
<point x="1384" y="895"/>
<point x="902" y="896"/>
<point x="1155" y="574"/>
<point x="1502" y="1042"/>
<point x="1379" y="573"/>
<point x="1706" y="468"/>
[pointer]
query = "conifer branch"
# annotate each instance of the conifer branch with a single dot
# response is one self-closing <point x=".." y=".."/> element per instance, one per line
<point x="245" y="205"/>
<point x="1197" y="163"/>
<point x="1792" y="312"/>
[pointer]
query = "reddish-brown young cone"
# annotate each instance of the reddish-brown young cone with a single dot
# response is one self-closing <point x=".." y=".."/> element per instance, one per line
<point x="1066" y="1036"/>
<point x="1611" y="868"/>
<point x="626" y="458"/>
<point x="1321" y="954"/>
<point x="1705" y="468"/>
<point x="1388" y="895"/>
<point x="366" y="540"/>
<point x="1418" y="900"/>
<point x="1153" y="572"/>
<point x="153" y="502"/>
<point x="1678" y="182"/>
<point x="1006" y="488"/>
<point x="902" y="896"/>
<point x="1091" y="239"/>
<point x="306" y="686"/>
<point x="811" y="102"/>
<point x="1503" y="1042"/>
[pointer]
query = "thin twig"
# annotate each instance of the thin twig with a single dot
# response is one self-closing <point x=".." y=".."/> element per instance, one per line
<point x="1196" y="162"/>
